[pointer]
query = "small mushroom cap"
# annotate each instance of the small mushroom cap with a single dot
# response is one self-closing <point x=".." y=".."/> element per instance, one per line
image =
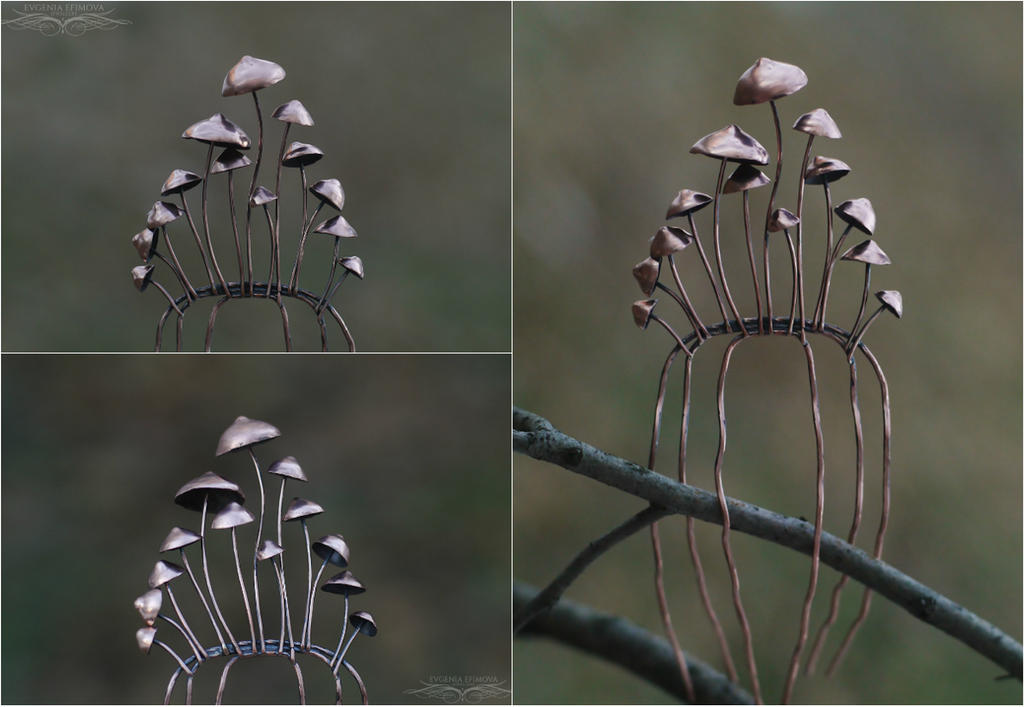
<point x="220" y="492"/>
<point x="251" y="74"/>
<point x="332" y="548"/>
<point x="825" y="169"/>
<point x="164" y="572"/>
<point x="687" y="201"/>
<point x="767" y="80"/>
<point x="818" y="122"/>
<point x="145" y="243"/>
<point x="244" y="432"/>
<point x="141" y="275"/>
<point x="337" y="226"/>
<point x="891" y="300"/>
<point x="301" y="508"/>
<point x="352" y="263"/>
<point x="178" y="538"/>
<point x="745" y="177"/>
<point x="231" y="516"/>
<point x="148" y="605"/>
<point x="344" y="583"/>
<point x="289" y="467"/>
<point x="330" y="192"/>
<point x="268" y="549"/>
<point x="364" y="623"/>
<point x="859" y="213"/>
<point x="180" y="180"/>
<point x="646" y="274"/>
<point x="262" y="196"/>
<point x="144" y="637"/>
<point x="301" y="154"/>
<point x="162" y="213"/>
<point x="731" y="143"/>
<point x="669" y="240"/>
<point x="642" y="310"/>
<point x="867" y="252"/>
<point x="293" y="112"/>
<point x="229" y="160"/>
<point x="218" y="130"/>
<point x="782" y="219"/>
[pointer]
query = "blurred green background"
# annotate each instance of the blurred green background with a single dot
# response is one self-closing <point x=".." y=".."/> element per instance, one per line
<point x="608" y="100"/>
<point x="408" y="456"/>
<point x="411" y="103"/>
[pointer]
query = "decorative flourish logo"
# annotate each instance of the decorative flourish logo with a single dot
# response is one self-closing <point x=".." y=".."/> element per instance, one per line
<point x="461" y="689"/>
<point x="68" y="19"/>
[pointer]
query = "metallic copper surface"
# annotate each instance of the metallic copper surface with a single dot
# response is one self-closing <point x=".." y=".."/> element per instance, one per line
<point x="336" y="226"/>
<point x="180" y="180"/>
<point x="826" y="169"/>
<point x="819" y="123"/>
<point x="244" y="432"/>
<point x="262" y="196"/>
<point x="301" y="154"/>
<point x="768" y="80"/>
<point x="686" y="202"/>
<point x="218" y="130"/>
<point x="731" y="143"/>
<point x="330" y="191"/>
<point x="293" y="112"/>
<point x="229" y="160"/>
<point x="251" y="74"/>
<point x="743" y="178"/>
<point x="858" y="213"/>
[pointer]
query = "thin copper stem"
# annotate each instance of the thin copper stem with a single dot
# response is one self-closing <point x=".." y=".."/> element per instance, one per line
<point x="177" y="332"/>
<point x="359" y="681"/>
<point x="302" y="686"/>
<point x="189" y="633"/>
<point x="688" y="308"/>
<point x="341" y="656"/>
<point x="767" y="285"/>
<point x="181" y="629"/>
<point x="277" y="207"/>
<point x="793" y="266"/>
<point x="212" y="322"/>
<point x="252" y="185"/>
<point x="286" y="326"/>
<point x="202" y="598"/>
<point x="170" y="266"/>
<point x="179" y="271"/>
<point x="344" y="628"/>
<point x="768" y="217"/>
<point x="224" y="679"/>
<point x="255" y="561"/>
<point x="799" y="236"/>
<point x="863" y="299"/>
<point x="750" y="254"/>
<point x="302" y="241"/>
<point x="860" y="335"/>
<point x="241" y="585"/>
<point x="341" y="279"/>
<point x="195" y="231"/>
<point x="234" y="224"/>
<point x="718" y="253"/>
<point x="670" y="330"/>
<point x="287" y="609"/>
<point x="828" y="274"/>
<point x="206" y="223"/>
<point x="209" y="585"/>
<point x="312" y="600"/>
<point x="158" y="642"/>
<point x="166" y="294"/>
<point x="270" y="234"/>
<point x="334" y="269"/>
<point x="188" y="690"/>
<point x="323" y="331"/>
<point x="309" y="577"/>
<point x="828" y="251"/>
<point x="170" y="685"/>
<point x="707" y="266"/>
<point x="344" y="329"/>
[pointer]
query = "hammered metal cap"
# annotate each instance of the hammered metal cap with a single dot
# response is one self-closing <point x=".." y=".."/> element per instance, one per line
<point x="267" y="550"/>
<point x="825" y="169"/>
<point x="364" y="623"/>
<point x="251" y="74"/>
<point x="144" y="637"/>
<point x="164" y="572"/>
<point x="642" y="310"/>
<point x="219" y="490"/>
<point x="891" y="300"/>
<point x="859" y="213"/>
<point x="262" y="196"/>
<point x="330" y="192"/>
<point x="767" y="80"/>
<point x="301" y="154"/>
<point x="733" y="144"/>
<point x="867" y="252"/>
<point x="178" y="538"/>
<point x="687" y="201"/>
<point x="352" y="263"/>
<point x="646" y="274"/>
<point x="141" y="275"/>
<point x="162" y="213"/>
<point x="145" y="243"/>
<point x="669" y="240"/>
<point x="782" y="219"/>
<point x="148" y="605"/>
<point x="344" y="583"/>
<point x="244" y="432"/>
<point x="293" y="112"/>
<point x="229" y="160"/>
<point x="332" y="548"/>
<point x="218" y="130"/>
<point x="745" y="177"/>
<point x="231" y="516"/>
<point x="288" y="467"/>
<point x="818" y="122"/>
<point x="337" y="226"/>
<point x="180" y="180"/>
<point x="301" y="508"/>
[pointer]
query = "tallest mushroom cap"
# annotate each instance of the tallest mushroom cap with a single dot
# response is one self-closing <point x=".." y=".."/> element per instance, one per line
<point x="731" y="143"/>
<point x="251" y="74"/>
<point x="244" y="432"/>
<point x="767" y="80"/>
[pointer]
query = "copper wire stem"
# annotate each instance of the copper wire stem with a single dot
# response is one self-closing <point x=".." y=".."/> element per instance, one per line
<point x="718" y="252"/>
<point x="707" y="266"/>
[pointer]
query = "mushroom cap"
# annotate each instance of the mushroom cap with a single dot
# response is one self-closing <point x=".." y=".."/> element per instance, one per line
<point x="337" y="226"/>
<point x="642" y="310"/>
<point x="731" y="143"/>
<point x="364" y="623"/>
<point x="646" y="274"/>
<point x="218" y="130"/>
<point x="220" y="491"/>
<point x="141" y="275"/>
<point x="228" y="160"/>
<point x="251" y="74"/>
<point x="301" y="508"/>
<point x="262" y="196"/>
<point x="293" y="112"/>
<point x="148" y="605"/>
<point x="178" y="538"/>
<point x="267" y="550"/>
<point x="859" y="213"/>
<point x="244" y="432"/>
<point x="162" y="213"/>
<point x="669" y="240"/>
<point x="818" y="122"/>
<point x="343" y="583"/>
<point x="231" y="516"/>
<point x="743" y="178"/>
<point x="330" y="192"/>
<point x="891" y="300"/>
<point x="782" y="219"/>
<point x="767" y="80"/>
<point x="352" y="263"/>
<point x="687" y="201"/>
<point x="145" y="243"/>
<point x="332" y="548"/>
<point x="288" y="467"/>
<point x="867" y="252"/>
<point x="164" y="572"/>
<point x="301" y="154"/>
<point x="144" y="637"/>
<point x="180" y="180"/>
<point x="825" y="169"/>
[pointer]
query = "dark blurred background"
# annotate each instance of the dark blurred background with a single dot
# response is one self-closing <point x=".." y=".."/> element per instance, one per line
<point x="411" y="104"/>
<point x="409" y="457"/>
<point x="608" y="100"/>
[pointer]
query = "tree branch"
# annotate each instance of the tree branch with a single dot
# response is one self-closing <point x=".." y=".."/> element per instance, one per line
<point x="536" y="437"/>
<point x="627" y="645"/>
